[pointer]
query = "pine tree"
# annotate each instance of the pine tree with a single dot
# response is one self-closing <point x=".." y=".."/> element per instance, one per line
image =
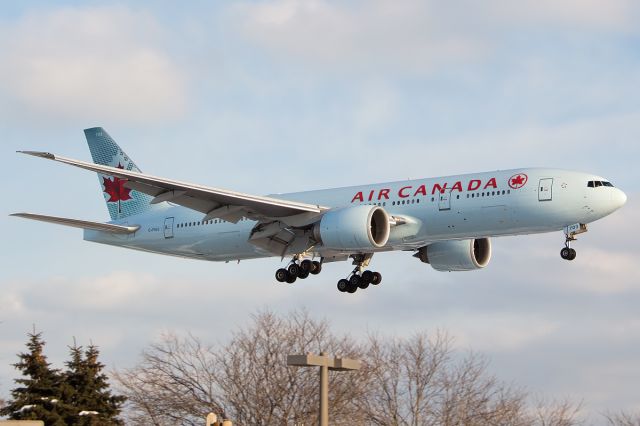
<point x="38" y="394"/>
<point x="90" y="396"/>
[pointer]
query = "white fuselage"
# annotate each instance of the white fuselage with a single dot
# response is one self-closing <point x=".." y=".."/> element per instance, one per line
<point x="511" y="202"/>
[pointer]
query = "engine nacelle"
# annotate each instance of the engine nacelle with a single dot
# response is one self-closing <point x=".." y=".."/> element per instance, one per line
<point x="457" y="255"/>
<point x="353" y="228"/>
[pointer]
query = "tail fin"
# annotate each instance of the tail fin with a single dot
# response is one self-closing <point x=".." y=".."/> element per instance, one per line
<point x="121" y="201"/>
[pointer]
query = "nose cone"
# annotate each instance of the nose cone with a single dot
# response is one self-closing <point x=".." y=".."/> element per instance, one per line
<point x="618" y="198"/>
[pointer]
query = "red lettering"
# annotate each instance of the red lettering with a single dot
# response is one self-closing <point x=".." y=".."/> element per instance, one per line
<point x="358" y="196"/>
<point x="492" y="183"/>
<point x="421" y="190"/>
<point x="401" y="193"/>
<point x="457" y="186"/>
<point x="383" y="193"/>
<point x="370" y="195"/>
<point x="474" y="184"/>
<point x="441" y="189"/>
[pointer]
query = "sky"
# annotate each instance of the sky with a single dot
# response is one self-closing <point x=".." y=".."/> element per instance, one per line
<point x="286" y="95"/>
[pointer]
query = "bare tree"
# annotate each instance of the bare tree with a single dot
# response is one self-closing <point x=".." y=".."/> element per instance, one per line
<point x="173" y="384"/>
<point x="179" y="380"/>
<point x="417" y="381"/>
<point x="556" y="413"/>
<point x="623" y="419"/>
<point x="259" y="387"/>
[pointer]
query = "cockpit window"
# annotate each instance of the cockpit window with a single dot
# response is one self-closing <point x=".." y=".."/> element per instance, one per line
<point x="597" y="183"/>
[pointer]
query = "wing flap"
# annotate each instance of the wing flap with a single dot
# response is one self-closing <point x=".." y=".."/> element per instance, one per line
<point x="82" y="224"/>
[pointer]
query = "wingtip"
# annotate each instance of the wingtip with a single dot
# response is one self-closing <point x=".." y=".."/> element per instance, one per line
<point x="41" y="154"/>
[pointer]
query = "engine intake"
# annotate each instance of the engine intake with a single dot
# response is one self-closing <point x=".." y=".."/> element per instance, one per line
<point x="353" y="228"/>
<point x="457" y="255"/>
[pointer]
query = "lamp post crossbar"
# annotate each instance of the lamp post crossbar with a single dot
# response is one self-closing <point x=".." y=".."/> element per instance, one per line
<point x="325" y="363"/>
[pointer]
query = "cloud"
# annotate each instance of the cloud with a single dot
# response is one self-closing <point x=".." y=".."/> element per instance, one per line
<point x="414" y="35"/>
<point x="604" y="15"/>
<point x="376" y="34"/>
<point x="100" y="64"/>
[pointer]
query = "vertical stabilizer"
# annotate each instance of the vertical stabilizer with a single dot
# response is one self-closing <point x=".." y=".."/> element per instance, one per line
<point x="121" y="201"/>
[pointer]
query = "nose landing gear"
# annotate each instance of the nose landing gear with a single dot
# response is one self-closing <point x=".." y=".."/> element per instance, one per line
<point x="570" y="232"/>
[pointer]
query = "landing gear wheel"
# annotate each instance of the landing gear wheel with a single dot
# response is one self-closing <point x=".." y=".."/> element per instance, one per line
<point x="377" y="278"/>
<point x="355" y="280"/>
<point x="363" y="284"/>
<point x="351" y="288"/>
<point x="367" y="276"/>
<point x="568" y="253"/>
<point x="316" y="267"/>
<point x="291" y="278"/>
<point x="281" y="275"/>
<point x="343" y="285"/>
<point x="293" y="269"/>
<point x="306" y="265"/>
<point x="302" y="274"/>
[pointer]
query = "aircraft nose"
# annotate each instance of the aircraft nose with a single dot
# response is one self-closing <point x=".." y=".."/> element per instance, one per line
<point x="619" y="198"/>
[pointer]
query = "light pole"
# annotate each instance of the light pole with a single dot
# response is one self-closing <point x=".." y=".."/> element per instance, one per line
<point x="325" y="363"/>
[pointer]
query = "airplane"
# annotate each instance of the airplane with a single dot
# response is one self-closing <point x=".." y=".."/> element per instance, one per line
<point x="447" y="222"/>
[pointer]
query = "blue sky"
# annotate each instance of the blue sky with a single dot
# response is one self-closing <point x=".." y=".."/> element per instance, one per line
<point x="287" y="95"/>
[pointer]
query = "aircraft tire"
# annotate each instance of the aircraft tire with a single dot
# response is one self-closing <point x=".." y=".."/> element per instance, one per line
<point x="572" y="254"/>
<point x="302" y="274"/>
<point x="565" y="253"/>
<point x="281" y="275"/>
<point x="377" y="278"/>
<point x="367" y="276"/>
<point x="343" y="285"/>
<point x="355" y="280"/>
<point x="306" y="265"/>
<point x="293" y="269"/>
<point x="291" y="278"/>
<point x="316" y="267"/>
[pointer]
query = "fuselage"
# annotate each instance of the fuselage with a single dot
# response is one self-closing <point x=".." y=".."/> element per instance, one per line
<point x="490" y="204"/>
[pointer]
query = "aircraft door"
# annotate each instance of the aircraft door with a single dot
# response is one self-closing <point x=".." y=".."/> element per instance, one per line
<point x="545" y="189"/>
<point x="444" y="201"/>
<point x="168" y="227"/>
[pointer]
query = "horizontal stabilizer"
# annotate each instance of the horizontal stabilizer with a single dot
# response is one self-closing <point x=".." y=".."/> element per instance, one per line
<point x="83" y="224"/>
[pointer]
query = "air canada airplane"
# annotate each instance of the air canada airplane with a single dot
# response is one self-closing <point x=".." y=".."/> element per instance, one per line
<point x="445" y="221"/>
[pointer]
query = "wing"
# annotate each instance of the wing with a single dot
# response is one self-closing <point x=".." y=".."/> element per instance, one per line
<point x="82" y="224"/>
<point x="212" y="202"/>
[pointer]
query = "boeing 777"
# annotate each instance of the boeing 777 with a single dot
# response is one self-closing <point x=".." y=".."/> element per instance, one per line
<point x="445" y="221"/>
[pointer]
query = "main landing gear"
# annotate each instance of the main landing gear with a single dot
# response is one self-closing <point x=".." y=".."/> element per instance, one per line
<point x="359" y="278"/>
<point x="298" y="269"/>
<point x="570" y="232"/>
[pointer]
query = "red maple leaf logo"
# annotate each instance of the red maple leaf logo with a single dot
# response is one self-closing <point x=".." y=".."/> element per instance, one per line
<point x="518" y="181"/>
<point x="115" y="188"/>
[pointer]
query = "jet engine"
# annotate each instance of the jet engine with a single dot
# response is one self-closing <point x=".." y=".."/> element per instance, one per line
<point x="457" y="255"/>
<point x="353" y="228"/>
